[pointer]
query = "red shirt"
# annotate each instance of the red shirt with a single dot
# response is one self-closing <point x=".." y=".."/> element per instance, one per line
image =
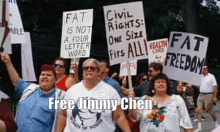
<point x="61" y="84"/>
<point x="7" y="117"/>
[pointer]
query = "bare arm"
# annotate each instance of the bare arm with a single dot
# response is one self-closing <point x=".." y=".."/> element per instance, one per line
<point x="2" y="126"/>
<point x="133" y="112"/>
<point x="61" y="123"/>
<point x="119" y="117"/>
<point x="215" y="92"/>
<point x="10" y="68"/>
<point x="125" y="91"/>
<point x="72" y="79"/>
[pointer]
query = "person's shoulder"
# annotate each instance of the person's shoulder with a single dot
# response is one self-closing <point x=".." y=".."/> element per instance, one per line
<point x="114" y="82"/>
<point x="107" y="86"/>
<point x="104" y="84"/>
<point x="178" y="99"/>
<point x="211" y="75"/>
<point x="144" y="84"/>
<point x="109" y="80"/>
<point x="75" y="86"/>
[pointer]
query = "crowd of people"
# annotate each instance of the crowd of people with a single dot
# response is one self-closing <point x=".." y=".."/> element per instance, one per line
<point x="173" y="101"/>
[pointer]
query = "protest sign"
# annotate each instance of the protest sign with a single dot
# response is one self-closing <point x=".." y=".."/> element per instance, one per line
<point x="125" y="32"/>
<point x="76" y="34"/>
<point x="157" y="50"/>
<point x="5" y="43"/>
<point x="5" y="46"/>
<point x="124" y="66"/>
<point x="185" y="57"/>
<point x="28" y="73"/>
<point x="15" y="24"/>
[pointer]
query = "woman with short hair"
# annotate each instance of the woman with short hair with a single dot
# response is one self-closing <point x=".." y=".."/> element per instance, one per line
<point x="63" y="81"/>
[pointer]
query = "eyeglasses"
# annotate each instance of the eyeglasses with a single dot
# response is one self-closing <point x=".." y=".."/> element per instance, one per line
<point x="150" y="71"/>
<point x="60" y="65"/>
<point x="144" y="79"/>
<point x="86" y="68"/>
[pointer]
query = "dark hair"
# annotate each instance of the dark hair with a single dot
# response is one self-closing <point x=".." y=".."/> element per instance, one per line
<point x="159" y="76"/>
<point x="139" y="77"/>
<point x="61" y="59"/>
<point x="156" y="66"/>
<point x="106" y="63"/>
<point x="47" y="67"/>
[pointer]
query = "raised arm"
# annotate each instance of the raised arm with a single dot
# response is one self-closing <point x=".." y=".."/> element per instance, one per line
<point x="132" y="112"/>
<point x="10" y="68"/>
<point x="72" y="79"/>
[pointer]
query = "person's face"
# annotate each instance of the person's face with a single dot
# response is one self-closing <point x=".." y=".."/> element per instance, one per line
<point x="152" y="72"/>
<point x="143" y="79"/>
<point x="180" y="87"/>
<point x="47" y="80"/>
<point x="205" y="70"/>
<point x="103" y="67"/>
<point x="59" y="67"/>
<point x="90" y="71"/>
<point x="160" y="85"/>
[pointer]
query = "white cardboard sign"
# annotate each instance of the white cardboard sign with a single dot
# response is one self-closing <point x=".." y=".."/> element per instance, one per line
<point x="125" y="32"/>
<point x="185" y="57"/>
<point x="157" y="50"/>
<point x="76" y="34"/>
<point x="28" y="73"/>
<point x="124" y="66"/>
<point x="15" y="24"/>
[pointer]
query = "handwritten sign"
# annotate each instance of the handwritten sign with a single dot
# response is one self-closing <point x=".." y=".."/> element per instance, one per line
<point x="157" y="50"/>
<point x="185" y="57"/>
<point x="76" y="34"/>
<point x="15" y="26"/>
<point x="125" y="32"/>
<point x="124" y="66"/>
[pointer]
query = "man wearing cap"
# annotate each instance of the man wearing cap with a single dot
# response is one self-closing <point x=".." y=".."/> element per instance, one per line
<point x="207" y="96"/>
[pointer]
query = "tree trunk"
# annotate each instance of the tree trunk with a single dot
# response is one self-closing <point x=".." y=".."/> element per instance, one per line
<point x="190" y="16"/>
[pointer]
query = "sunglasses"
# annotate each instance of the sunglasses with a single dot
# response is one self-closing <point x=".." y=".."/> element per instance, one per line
<point x="144" y="79"/>
<point x="86" y="68"/>
<point x="150" y="71"/>
<point x="60" y="65"/>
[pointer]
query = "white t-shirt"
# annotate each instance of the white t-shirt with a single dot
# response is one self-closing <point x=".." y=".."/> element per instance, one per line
<point x="171" y="122"/>
<point x="89" y="120"/>
<point x="207" y="83"/>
